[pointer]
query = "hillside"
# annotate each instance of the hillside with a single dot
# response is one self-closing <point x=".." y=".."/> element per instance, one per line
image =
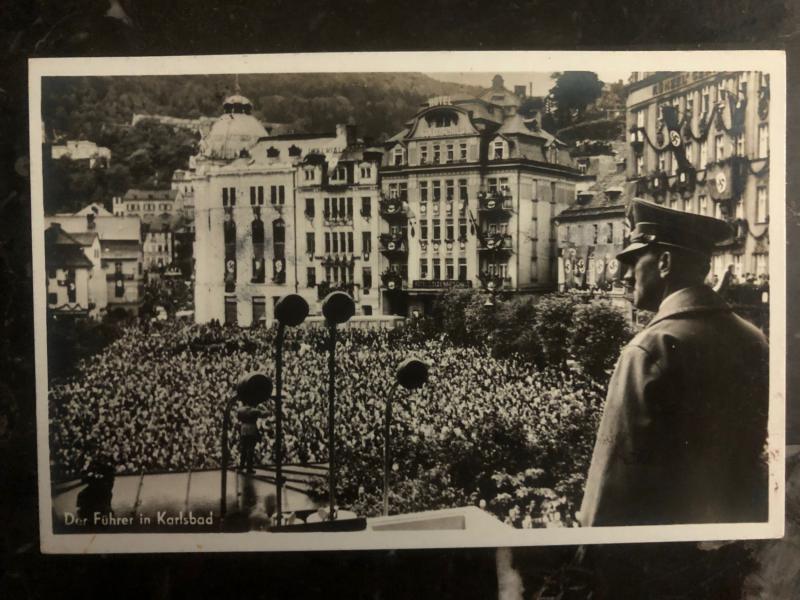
<point x="379" y="103"/>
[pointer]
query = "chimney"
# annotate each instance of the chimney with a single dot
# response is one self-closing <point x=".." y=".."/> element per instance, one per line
<point x="90" y="221"/>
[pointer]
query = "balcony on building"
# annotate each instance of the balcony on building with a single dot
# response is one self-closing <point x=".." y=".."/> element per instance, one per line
<point x="497" y="202"/>
<point x="496" y="242"/>
<point x="392" y="244"/>
<point x="326" y="287"/>
<point x="391" y="207"/>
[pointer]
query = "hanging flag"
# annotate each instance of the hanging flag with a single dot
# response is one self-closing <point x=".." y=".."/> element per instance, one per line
<point x="736" y="110"/>
<point x="669" y="115"/>
<point x="600" y="271"/>
<point x="612" y="268"/>
<point x="568" y="281"/>
<point x="720" y="181"/>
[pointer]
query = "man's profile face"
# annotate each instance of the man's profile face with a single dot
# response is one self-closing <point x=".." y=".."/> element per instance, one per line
<point x="644" y="278"/>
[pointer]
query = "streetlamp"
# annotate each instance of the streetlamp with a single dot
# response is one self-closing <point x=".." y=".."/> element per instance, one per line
<point x="252" y="389"/>
<point x="411" y="374"/>
<point x="290" y="310"/>
<point x="337" y="307"/>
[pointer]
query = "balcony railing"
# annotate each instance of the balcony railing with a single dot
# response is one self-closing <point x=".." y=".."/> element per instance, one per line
<point x="392" y="208"/>
<point x="495" y="202"/>
<point x="496" y="242"/>
<point x="392" y="244"/>
<point x="325" y="287"/>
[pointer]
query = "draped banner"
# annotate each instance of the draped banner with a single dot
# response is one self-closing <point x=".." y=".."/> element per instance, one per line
<point x="669" y="115"/>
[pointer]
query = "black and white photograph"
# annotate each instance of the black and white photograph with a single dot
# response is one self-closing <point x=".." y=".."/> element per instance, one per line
<point x="408" y="300"/>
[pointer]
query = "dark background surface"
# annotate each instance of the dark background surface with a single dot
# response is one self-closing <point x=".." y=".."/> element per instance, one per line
<point x="150" y="27"/>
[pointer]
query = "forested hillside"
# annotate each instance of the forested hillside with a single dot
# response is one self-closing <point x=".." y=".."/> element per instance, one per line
<point x="100" y="109"/>
<point x="378" y="102"/>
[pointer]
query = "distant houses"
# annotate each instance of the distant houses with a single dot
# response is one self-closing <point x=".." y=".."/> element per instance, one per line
<point x="82" y="151"/>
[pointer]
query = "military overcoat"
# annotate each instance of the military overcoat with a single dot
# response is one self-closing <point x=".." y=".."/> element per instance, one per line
<point x="683" y="433"/>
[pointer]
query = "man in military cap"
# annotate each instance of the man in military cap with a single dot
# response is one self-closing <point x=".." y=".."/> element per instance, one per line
<point x="682" y="437"/>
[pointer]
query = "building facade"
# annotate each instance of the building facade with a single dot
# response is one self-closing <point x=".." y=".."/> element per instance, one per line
<point x="120" y="257"/>
<point x="82" y="150"/>
<point x="281" y="214"/>
<point x="76" y="285"/>
<point x="469" y="190"/>
<point x="699" y="141"/>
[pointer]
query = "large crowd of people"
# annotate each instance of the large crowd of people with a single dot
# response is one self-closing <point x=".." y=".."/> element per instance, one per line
<point x="154" y="399"/>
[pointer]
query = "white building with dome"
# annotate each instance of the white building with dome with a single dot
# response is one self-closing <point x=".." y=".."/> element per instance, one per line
<point x="294" y="213"/>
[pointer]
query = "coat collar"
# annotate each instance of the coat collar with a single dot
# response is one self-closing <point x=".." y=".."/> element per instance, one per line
<point x="695" y="299"/>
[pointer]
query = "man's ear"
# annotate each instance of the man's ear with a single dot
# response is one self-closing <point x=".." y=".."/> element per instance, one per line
<point x="665" y="263"/>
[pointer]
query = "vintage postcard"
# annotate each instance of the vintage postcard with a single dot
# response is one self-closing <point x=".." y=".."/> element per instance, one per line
<point x="408" y="300"/>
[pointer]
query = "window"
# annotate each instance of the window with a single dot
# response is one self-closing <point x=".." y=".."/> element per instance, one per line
<point x="339" y="173"/>
<point x="462" y="268"/>
<point x="423" y="268"/>
<point x="335" y="242"/>
<point x="228" y="197"/>
<point x="462" y="190"/>
<point x="366" y="172"/>
<point x="640" y="164"/>
<point x="451" y="153"/>
<point x="703" y="204"/>
<point x="640" y="118"/>
<point x="535" y="228"/>
<point x="740" y="145"/>
<point x="449" y="190"/>
<point x="423" y="229"/>
<point x="310" y="243"/>
<point x="366" y="242"/>
<point x="277" y="194"/>
<point x="327" y="242"/>
<point x="462" y="229"/>
<point x="739" y="209"/>
<point x="437" y="268"/>
<point x="610" y="232"/>
<point x="366" y="278"/>
<point x="687" y="205"/>
<point x="423" y="191"/>
<point x="343" y="241"/>
<point x="763" y="140"/>
<point x="403" y="190"/>
<point x="310" y="207"/>
<point x="397" y="156"/>
<point x="718" y="210"/>
<point x="259" y="309"/>
<point x="762" y="264"/>
<point x="662" y="161"/>
<point x="449" y="269"/>
<point x="689" y="149"/>
<point x="423" y="155"/>
<point x="762" y="205"/>
<point x="437" y="155"/>
<point x="350" y="242"/>
<point x="437" y="191"/>
<point x="703" y="154"/>
<point x="349" y="208"/>
<point x="449" y="230"/>
<point x="230" y="311"/>
<point x="462" y="151"/>
<point x="257" y="195"/>
<point x="719" y="147"/>
<point x="309" y="174"/>
<point x="311" y="277"/>
<point x="437" y="230"/>
<point x="366" y="206"/>
<point x="498" y="149"/>
<point x="705" y="100"/>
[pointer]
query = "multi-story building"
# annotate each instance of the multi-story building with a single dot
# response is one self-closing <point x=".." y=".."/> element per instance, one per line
<point x="281" y="214"/>
<point x="167" y="224"/>
<point x="76" y="285"/>
<point x="699" y="141"/>
<point x="120" y="252"/>
<point x="469" y="191"/>
<point x="592" y="230"/>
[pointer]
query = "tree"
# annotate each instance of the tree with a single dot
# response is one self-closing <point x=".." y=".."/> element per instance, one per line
<point x="598" y="333"/>
<point x="572" y="93"/>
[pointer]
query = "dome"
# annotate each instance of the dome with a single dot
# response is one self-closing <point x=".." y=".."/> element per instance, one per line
<point x="234" y="131"/>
